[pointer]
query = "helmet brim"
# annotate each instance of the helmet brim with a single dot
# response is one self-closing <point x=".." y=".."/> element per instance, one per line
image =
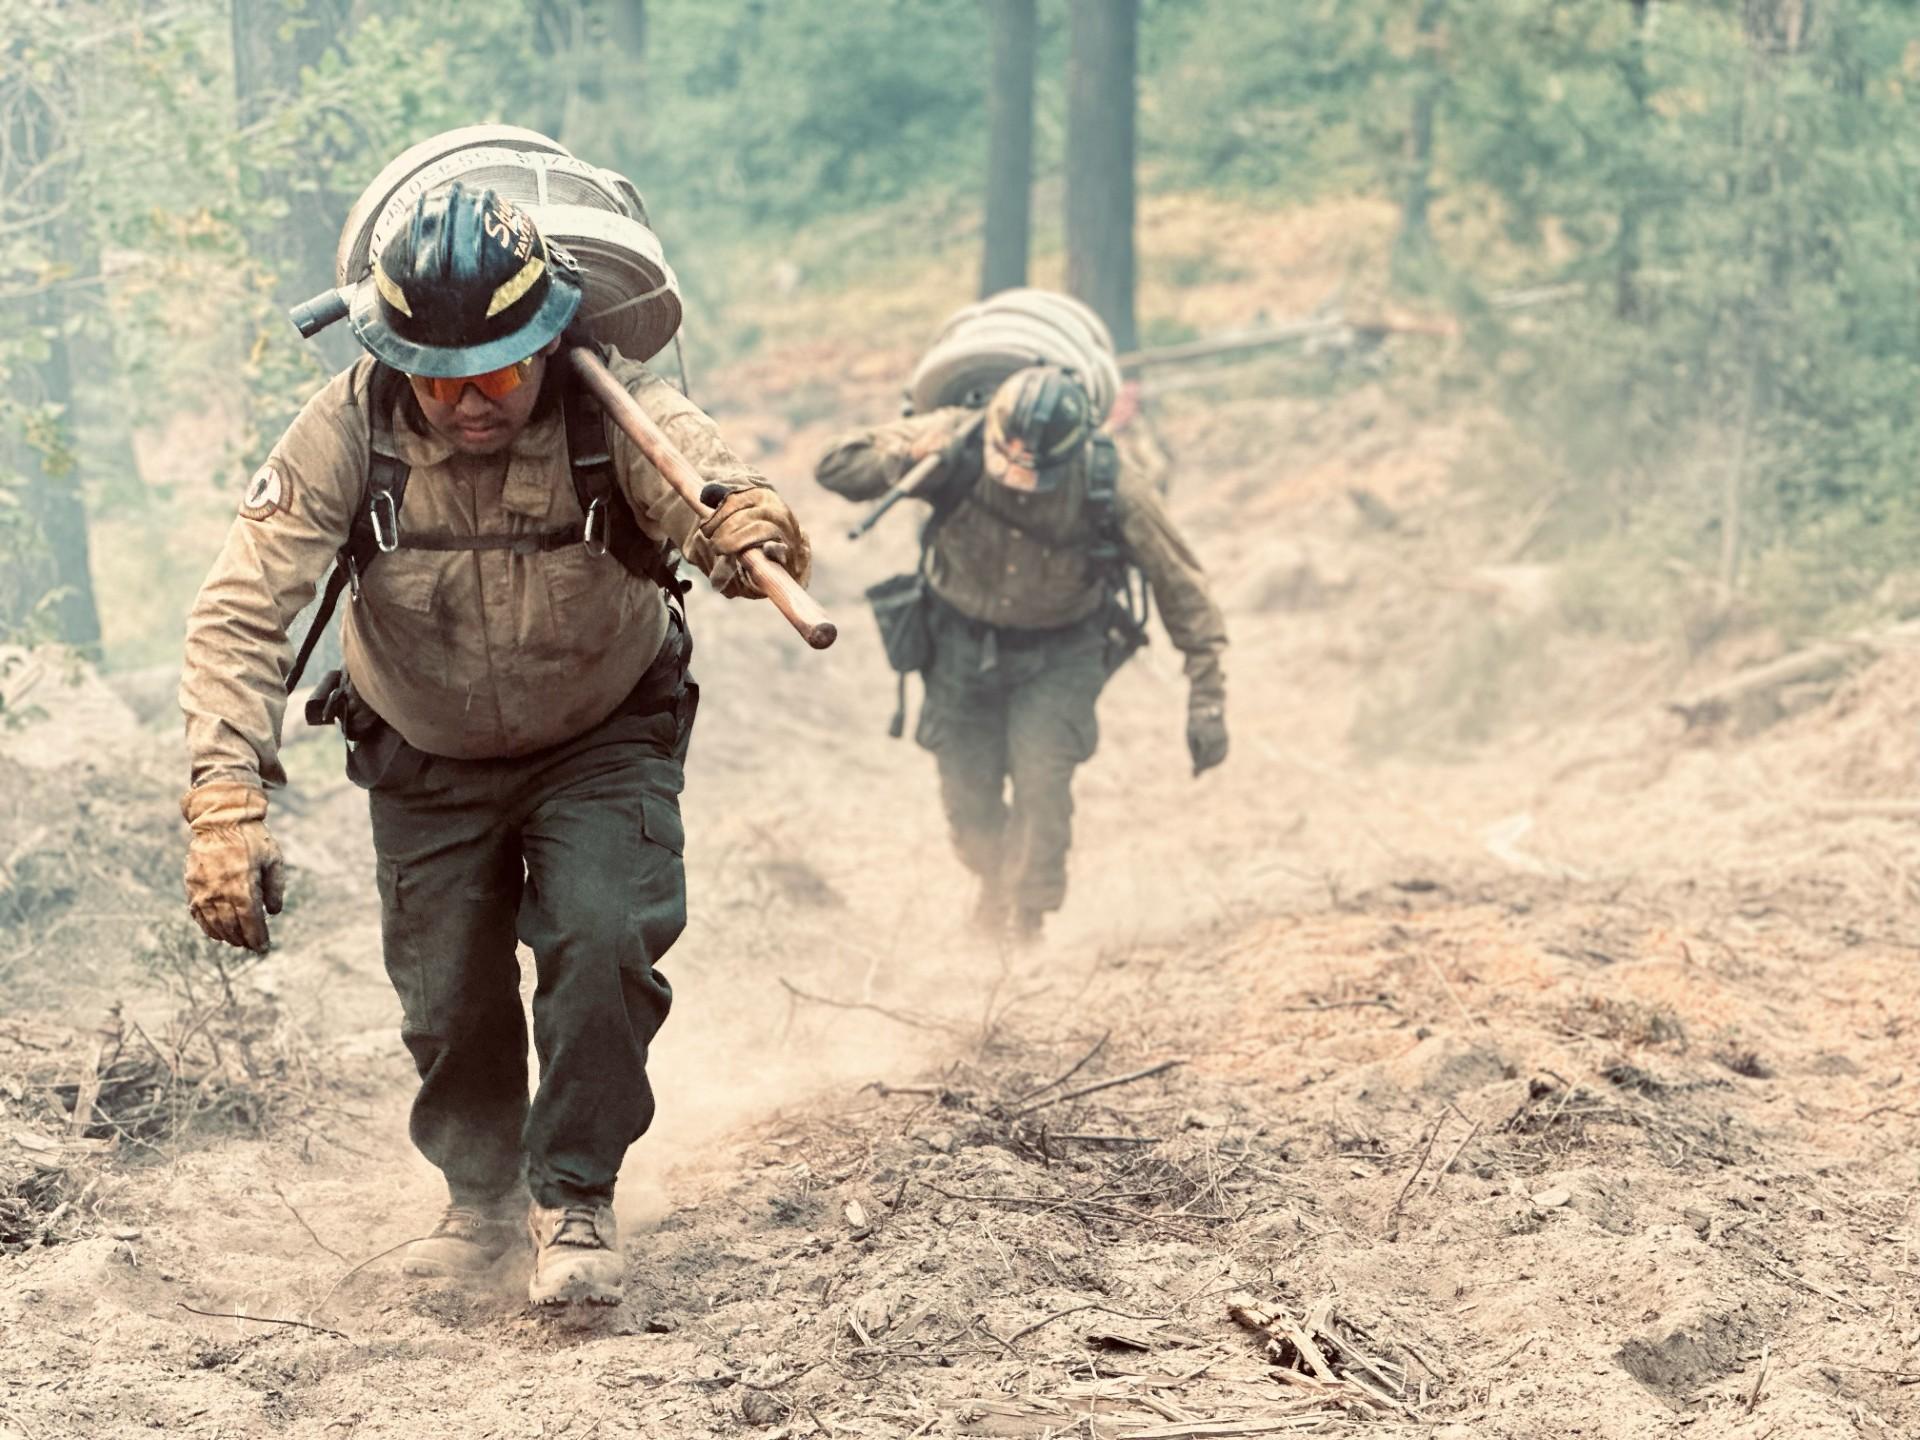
<point x="434" y="362"/>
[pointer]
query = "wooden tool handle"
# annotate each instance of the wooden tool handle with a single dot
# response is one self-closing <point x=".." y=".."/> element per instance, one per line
<point x="800" y="608"/>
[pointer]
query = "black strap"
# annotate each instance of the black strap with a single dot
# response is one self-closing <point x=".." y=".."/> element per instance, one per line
<point x="610" y="525"/>
<point x="376" y="520"/>
<point x="1110" y="554"/>
<point x="322" y="613"/>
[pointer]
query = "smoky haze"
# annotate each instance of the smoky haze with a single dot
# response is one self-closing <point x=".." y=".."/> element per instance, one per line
<point x="1509" y="1035"/>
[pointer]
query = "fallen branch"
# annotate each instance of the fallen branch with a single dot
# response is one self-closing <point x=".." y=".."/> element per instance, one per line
<point x="1282" y="1333"/>
<point x="1813" y="1285"/>
<point x="1314" y="1009"/>
<point x="1760" y="1380"/>
<point x="1072" y="1071"/>
<point x="1441" y="976"/>
<point x="1109" y="1139"/>
<point x="1441" y="1173"/>
<point x="391" y="1249"/>
<point x="1075" y="1310"/>
<point x="1147" y="1074"/>
<point x="1208" y="1429"/>
<point x="263" y="1320"/>
<point x="1827" y="660"/>
<point x="897" y="1016"/>
<point x="1419" y="1165"/>
<point x="311" y="1235"/>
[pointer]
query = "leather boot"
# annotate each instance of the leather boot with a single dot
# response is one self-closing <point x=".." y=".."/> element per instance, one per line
<point x="577" y="1257"/>
<point x="467" y="1241"/>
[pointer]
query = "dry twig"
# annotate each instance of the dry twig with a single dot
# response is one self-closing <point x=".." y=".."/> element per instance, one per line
<point x="1068" y="1074"/>
<point x="1146" y="1074"/>
<point x="263" y="1320"/>
<point x="899" y="1017"/>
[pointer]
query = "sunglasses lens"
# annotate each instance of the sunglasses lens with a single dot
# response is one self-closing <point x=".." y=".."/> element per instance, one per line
<point x="503" y="381"/>
<point x="494" y="384"/>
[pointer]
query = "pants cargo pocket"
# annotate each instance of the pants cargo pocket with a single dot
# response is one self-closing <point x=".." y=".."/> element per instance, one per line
<point x="661" y="823"/>
<point x="406" y="950"/>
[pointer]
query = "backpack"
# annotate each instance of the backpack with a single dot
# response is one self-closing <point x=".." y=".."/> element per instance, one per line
<point x="609" y="526"/>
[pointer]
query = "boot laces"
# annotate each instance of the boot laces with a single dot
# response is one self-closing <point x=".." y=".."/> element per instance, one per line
<point x="579" y="1225"/>
<point x="462" y="1222"/>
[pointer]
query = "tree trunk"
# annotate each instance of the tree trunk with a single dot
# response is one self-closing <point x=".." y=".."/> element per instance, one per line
<point x="50" y="569"/>
<point x="1003" y="261"/>
<point x="1779" y="27"/>
<point x="1414" y="244"/>
<point x="596" y="51"/>
<point x="1102" y="41"/>
<point x="1626" y="286"/>
<point x="273" y="41"/>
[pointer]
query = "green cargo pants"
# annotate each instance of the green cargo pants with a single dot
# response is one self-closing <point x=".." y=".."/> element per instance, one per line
<point x="1009" y="705"/>
<point x="576" y="851"/>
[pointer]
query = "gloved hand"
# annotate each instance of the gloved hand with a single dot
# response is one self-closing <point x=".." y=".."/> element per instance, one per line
<point x="1206" y="734"/>
<point x="755" y="518"/>
<point x="235" y="877"/>
<point x="943" y="427"/>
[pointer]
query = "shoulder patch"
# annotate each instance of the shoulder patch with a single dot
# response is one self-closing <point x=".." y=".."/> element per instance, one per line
<point x="268" y="494"/>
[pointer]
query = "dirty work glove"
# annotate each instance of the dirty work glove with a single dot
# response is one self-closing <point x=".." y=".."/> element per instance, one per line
<point x="1206" y="734"/>
<point x="235" y="878"/>
<point x="942" y="429"/>
<point x="755" y="518"/>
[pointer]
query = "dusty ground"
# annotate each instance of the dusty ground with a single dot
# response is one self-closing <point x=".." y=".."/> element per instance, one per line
<point x="1563" y="1089"/>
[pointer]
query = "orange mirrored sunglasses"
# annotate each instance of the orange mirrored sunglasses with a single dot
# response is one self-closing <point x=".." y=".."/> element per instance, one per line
<point x="494" y="384"/>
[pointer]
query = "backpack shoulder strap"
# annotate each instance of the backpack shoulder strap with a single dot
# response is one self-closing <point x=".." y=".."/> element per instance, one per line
<point x="610" y="526"/>
<point x="376" y="520"/>
<point x="1112" y="558"/>
<point x="1103" y="511"/>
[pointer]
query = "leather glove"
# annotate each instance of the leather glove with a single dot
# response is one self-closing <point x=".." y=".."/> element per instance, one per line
<point x="235" y="877"/>
<point x="1206" y="734"/>
<point x="936" y="437"/>
<point x="755" y="518"/>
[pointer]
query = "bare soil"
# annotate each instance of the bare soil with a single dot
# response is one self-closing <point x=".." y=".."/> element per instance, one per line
<point x="1564" y="1088"/>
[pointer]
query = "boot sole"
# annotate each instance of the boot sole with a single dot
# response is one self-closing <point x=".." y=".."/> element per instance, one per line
<point x="576" y="1290"/>
<point x="565" y="1300"/>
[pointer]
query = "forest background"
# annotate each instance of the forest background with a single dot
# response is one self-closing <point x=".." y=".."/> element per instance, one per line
<point x="1674" y="248"/>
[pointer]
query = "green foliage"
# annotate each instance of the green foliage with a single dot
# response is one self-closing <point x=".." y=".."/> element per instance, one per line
<point x="1727" y="226"/>
<point x="1744" y="226"/>
<point x="784" y="112"/>
<point x="1266" y="98"/>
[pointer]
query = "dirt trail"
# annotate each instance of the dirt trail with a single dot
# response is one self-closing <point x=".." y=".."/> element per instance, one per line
<point x="1572" y="1086"/>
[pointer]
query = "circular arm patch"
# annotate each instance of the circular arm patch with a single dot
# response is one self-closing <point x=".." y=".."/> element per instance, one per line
<point x="267" y="494"/>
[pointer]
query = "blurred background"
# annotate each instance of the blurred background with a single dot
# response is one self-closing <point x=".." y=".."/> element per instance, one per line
<point x="1652" y="265"/>
<point x="1537" y="378"/>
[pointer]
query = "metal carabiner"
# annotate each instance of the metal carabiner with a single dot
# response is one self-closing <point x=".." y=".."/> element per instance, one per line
<point x="594" y="533"/>
<point x="386" y="521"/>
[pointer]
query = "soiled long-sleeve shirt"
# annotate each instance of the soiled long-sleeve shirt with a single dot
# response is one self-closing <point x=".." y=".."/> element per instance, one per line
<point x="467" y="653"/>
